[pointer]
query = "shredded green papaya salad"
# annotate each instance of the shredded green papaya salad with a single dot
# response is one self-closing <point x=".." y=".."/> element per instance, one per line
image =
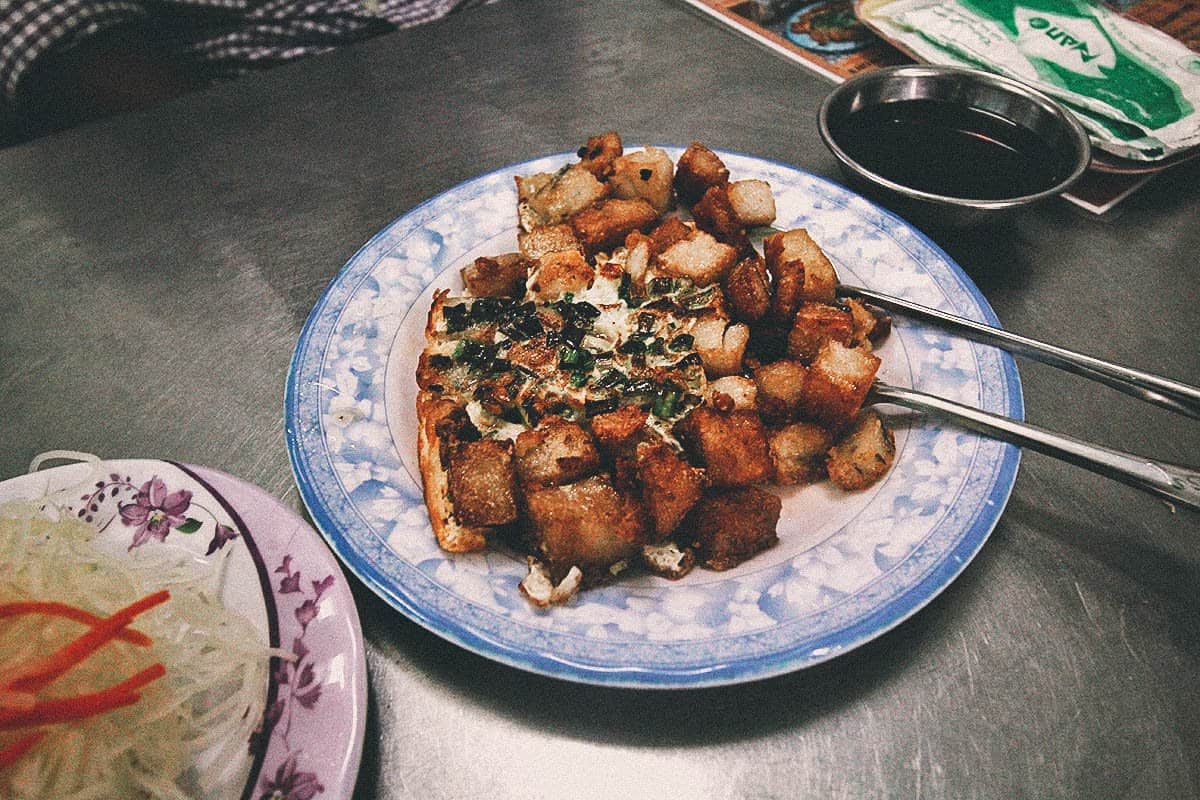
<point x="119" y="677"/>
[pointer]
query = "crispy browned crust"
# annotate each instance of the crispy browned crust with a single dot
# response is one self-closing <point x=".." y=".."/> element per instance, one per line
<point x="435" y="313"/>
<point x="590" y="495"/>
<point x="452" y="535"/>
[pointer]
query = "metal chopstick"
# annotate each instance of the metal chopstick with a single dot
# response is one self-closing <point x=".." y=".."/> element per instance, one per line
<point x="1169" y="481"/>
<point x="1179" y="397"/>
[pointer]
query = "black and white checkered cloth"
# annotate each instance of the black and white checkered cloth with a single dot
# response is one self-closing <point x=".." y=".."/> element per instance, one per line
<point x="219" y="38"/>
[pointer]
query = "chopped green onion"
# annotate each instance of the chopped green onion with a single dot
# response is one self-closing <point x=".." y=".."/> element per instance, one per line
<point x="595" y="407"/>
<point x="665" y="403"/>
<point x="569" y="356"/>
<point x="611" y="379"/>
<point x="457" y="318"/>
<point x="632" y="346"/>
<point x="684" y="341"/>
<point x="696" y="299"/>
<point x="662" y="286"/>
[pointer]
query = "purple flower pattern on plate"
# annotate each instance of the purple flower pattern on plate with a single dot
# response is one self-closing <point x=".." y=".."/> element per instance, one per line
<point x="291" y="784"/>
<point x="297" y="681"/>
<point x="151" y="509"/>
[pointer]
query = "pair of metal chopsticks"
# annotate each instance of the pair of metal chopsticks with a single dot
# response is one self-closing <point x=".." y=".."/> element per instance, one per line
<point x="1169" y="481"/>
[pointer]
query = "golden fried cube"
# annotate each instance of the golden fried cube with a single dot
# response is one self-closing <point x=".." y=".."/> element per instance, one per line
<point x="483" y="482"/>
<point x="554" y="453"/>
<point x="727" y="527"/>
<point x="837" y="383"/>
<point x="721" y="346"/>
<point x="714" y="213"/>
<point x="647" y="175"/>
<point x="544" y="239"/>
<point x="565" y="194"/>
<point x="748" y="289"/>
<point x="801" y="270"/>
<point x="815" y="324"/>
<point x="605" y="225"/>
<point x="600" y="152"/>
<point x="871" y="325"/>
<point x="697" y="169"/>
<point x="863" y="454"/>
<point x="618" y="432"/>
<point x="780" y="389"/>
<point x="732" y="447"/>
<point x="556" y="274"/>
<point x="732" y="392"/>
<point x="798" y="453"/>
<point x="752" y="202"/>
<point x="502" y="276"/>
<point x="700" y="258"/>
<point x="670" y="486"/>
<point x="588" y="524"/>
<point x="668" y="232"/>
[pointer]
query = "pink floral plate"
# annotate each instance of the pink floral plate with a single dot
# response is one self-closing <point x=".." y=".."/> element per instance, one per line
<point x="280" y="576"/>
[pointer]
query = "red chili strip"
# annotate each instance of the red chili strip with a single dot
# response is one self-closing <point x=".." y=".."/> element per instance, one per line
<point x="82" y="706"/>
<point x="74" y="613"/>
<point x="43" y="671"/>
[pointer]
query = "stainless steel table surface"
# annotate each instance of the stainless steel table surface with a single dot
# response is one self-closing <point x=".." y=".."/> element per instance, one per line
<point x="157" y="269"/>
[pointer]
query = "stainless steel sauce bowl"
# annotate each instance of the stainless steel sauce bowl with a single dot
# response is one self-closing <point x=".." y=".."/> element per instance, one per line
<point x="1010" y="100"/>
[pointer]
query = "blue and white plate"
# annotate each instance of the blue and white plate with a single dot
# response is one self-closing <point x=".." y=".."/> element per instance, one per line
<point x="848" y="567"/>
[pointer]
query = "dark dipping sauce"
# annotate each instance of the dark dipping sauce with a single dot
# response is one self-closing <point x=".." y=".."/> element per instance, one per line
<point x="950" y="150"/>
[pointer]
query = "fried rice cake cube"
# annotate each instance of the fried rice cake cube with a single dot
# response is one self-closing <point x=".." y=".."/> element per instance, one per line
<point x="645" y="174"/>
<point x="813" y="325"/>
<point x="837" y="383"/>
<point x="780" y="389"/>
<point x="586" y="524"/>
<point x="714" y="213"/>
<point x="557" y="274"/>
<point x="483" y="482"/>
<point x="667" y="233"/>
<point x="697" y="169"/>
<point x="555" y="452"/>
<point x="670" y="486"/>
<point x="720" y="345"/>
<point x="863" y="454"/>
<point x="668" y="560"/>
<point x="728" y="526"/>
<point x="600" y="153"/>
<point x="801" y="271"/>
<point x="748" y="289"/>
<point x="700" y="258"/>
<point x="501" y="276"/>
<point x="732" y="392"/>
<point x="544" y="239"/>
<point x="752" y="202"/>
<point x="871" y="325"/>
<point x="638" y="249"/>
<point x="551" y="201"/>
<point x="798" y="453"/>
<point x="732" y="447"/>
<point x="619" y="432"/>
<point x="604" y="226"/>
